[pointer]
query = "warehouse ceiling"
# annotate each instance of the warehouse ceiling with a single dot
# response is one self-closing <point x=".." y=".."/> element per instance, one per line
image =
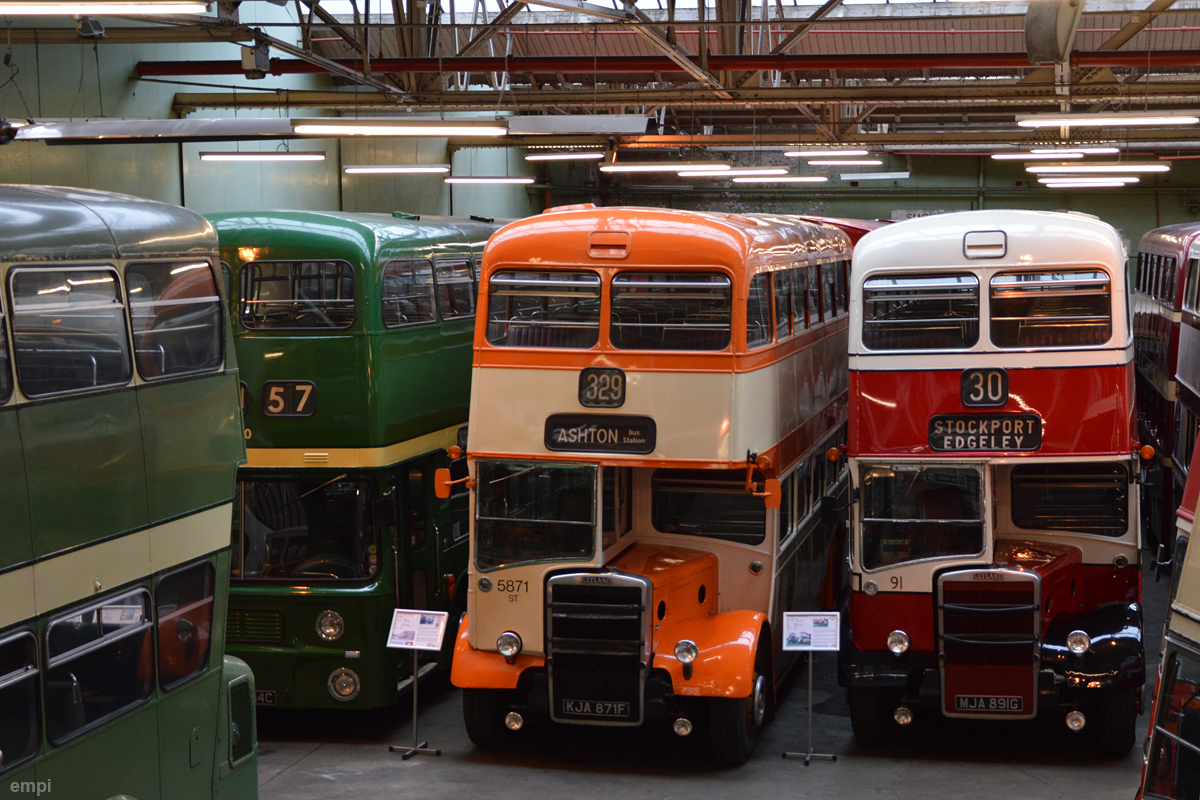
<point x="906" y="76"/>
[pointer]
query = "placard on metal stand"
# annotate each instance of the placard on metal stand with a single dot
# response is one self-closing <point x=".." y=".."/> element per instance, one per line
<point x="810" y="632"/>
<point x="416" y="630"/>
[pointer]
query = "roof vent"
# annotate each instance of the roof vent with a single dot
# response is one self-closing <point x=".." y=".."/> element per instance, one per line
<point x="608" y="244"/>
<point x="576" y="207"/>
<point x="406" y="215"/>
<point x="985" y="244"/>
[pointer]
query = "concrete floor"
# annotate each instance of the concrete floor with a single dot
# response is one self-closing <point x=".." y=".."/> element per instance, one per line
<point x="330" y="755"/>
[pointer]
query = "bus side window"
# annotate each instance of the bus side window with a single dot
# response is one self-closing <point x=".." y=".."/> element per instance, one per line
<point x="843" y="284"/>
<point x="783" y="304"/>
<point x="758" y="314"/>
<point x="414" y="509"/>
<point x="68" y="329"/>
<point x="814" y="294"/>
<point x="455" y="288"/>
<point x="184" y="600"/>
<point x="407" y="293"/>
<point x="20" y="734"/>
<point x="829" y="289"/>
<point x="799" y="298"/>
<point x="785" y="507"/>
<point x="176" y="316"/>
<point x="460" y="503"/>
<point x="5" y="376"/>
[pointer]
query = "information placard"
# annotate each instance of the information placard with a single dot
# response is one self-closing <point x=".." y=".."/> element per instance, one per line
<point x="804" y="630"/>
<point x="413" y="629"/>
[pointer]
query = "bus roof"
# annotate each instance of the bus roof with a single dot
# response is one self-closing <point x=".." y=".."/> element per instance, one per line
<point x="1030" y="237"/>
<point x="368" y="233"/>
<point x="1173" y="239"/>
<point x="663" y="237"/>
<point x="38" y="223"/>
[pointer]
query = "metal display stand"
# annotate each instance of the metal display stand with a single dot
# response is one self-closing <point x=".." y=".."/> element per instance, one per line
<point x="416" y="630"/>
<point x="423" y="747"/>
<point x="810" y="632"/>
<point x="810" y="755"/>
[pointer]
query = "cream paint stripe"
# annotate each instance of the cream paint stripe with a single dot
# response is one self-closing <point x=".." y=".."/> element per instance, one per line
<point x="350" y="457"/>
<point x="68" y="578"/>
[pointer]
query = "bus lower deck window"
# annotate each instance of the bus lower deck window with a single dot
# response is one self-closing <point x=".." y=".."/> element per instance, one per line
<point x="670" y="311"/>
<point x="707" y="503"/>
<point x="1081" y="498"/>
<point x="184" y="602"/>
<point x="20" y="734"/>
<point x="1051" y="309"/>
<point x="921" y="312"/>
<point x="543" y="309"/>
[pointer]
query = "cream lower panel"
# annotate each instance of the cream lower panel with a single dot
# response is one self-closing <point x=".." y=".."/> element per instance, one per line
<point x="1181" y="626"/>
<point x="692" y="411"/>
<point x="75" y="576"/>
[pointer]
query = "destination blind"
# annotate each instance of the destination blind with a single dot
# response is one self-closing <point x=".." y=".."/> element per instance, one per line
<point x="985" y="432"/>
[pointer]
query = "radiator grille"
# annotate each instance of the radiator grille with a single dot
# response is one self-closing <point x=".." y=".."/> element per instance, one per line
<point x="251" y="625"/>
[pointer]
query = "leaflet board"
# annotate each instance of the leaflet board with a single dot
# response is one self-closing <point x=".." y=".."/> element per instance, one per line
<point x="803" y="630"/>
<point x="417" y="630"/>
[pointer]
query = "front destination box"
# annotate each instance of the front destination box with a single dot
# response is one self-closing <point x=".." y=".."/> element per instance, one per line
<point x="1002" y="432"/>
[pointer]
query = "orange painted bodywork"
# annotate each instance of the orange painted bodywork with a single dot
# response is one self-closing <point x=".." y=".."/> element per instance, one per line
<point x="486" y="669"/>
<point x="728" y="642"/>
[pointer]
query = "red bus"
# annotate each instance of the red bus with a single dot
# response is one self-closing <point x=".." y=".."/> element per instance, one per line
<point x="1160" y="304"/>
<point x="653" y="398"/>
<point x="993" y="457"/>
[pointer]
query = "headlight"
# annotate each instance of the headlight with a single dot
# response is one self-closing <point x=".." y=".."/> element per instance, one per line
<point x="344" y="684"/>
<point x="1078" y="642"/>
<point x="897" y="642"/>
<point x="509" y="644"/>
<point x="686" y="651"/>
<point x="870" y="587"/>
<point x="330" y="626"/>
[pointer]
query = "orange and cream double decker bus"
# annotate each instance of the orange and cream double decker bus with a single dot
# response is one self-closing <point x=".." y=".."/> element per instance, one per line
<point x="994" y="462"/>
<point x="653" y="397"/>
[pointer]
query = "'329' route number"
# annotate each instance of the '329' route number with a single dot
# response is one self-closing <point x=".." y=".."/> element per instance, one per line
<point x="601" y="387"/>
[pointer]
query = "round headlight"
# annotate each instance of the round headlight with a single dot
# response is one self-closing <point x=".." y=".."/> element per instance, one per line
<point x="1078" y="642"/>
<point x="509" y="644"/>
<point x="870" y="587"/>
<point x="897" y="642"/>
<point x="686" y="651"/>
<point x="343" y="684"/>
<point x="330" y="626"/>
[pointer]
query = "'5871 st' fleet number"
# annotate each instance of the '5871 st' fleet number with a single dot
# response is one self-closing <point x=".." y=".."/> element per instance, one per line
<point x="512" y="588"/>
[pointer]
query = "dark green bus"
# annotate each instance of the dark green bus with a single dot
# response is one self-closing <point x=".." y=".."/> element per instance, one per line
<point x="119" y="440"/>
<point x="354" y="334"/>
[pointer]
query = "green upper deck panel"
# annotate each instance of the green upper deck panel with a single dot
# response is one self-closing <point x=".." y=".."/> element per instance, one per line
<point x="376" y="378"/>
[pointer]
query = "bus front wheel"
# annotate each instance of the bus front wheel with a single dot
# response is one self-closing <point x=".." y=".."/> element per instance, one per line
<point x="871" y="715"/>
<point x="735" y="722"/>
<point x="1116" y="721"/>
<point x="483" y="714"/>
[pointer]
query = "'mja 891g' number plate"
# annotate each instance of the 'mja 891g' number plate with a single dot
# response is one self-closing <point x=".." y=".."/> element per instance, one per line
<point x="601" y="387"/>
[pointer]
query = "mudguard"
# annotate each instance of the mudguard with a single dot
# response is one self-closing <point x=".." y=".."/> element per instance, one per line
<point x="728" y="645"/>
<point x="486" y="669"/>
<point x="1117" y="657"/>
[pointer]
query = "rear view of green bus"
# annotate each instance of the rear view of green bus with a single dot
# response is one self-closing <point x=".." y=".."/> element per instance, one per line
<point x="354" y="335"/>
<point x="119" y="440"/>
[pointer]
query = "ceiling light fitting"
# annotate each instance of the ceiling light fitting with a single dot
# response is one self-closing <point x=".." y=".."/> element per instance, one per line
<point x="827" y="151"/>
<point x="665" y="166"/>
<point x="266" y="155"/>
<point x="487" y="179"/>
<point x="398" y="127"/>
<point x="1086" y="185"/>
<point x="1101" y="166"/>
<point x="1087" y="151"/>
<point x="730" y="173"/>
<point x="874" y="176"/>
<point x="845" y="162"/>
<point x="1059" y="155"/>
<point x="398" y="169"/>
<point x="1127" y="119"/>
<point x="1099" y="179"/>
<point x="564" y="156"/>
<point x="783" y="179"/>
<point x="102" y="9"/>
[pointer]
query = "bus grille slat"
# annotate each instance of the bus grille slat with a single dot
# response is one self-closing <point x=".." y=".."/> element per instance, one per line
<point x="246" y="625"/>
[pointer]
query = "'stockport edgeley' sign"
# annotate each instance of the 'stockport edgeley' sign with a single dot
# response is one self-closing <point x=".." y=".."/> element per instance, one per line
<point x="971" y="432"/>
<point x="600" y="433"/>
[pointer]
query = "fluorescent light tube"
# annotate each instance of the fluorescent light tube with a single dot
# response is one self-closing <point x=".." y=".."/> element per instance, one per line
<point x="874" y="176"/>
<point x="844" y="162"/>
<point x="784" y="179"/>
<point x="397" y="127"/>
<point x="487" y="179"/>
<point x="1087" y="151"/>
<point x="398" y="169"/>
<point x="564" y="156"/>
<point x="266" y="155"/>
<point x="1101" y="166"/>
<point x="1118" y="120"/>
<point x="1052" y="179"/>
<point x="1051" y="156"/>
<point x="729" y="173"/>
<point x="664" y="166"/>
<point x="102" y="9"/>
<point x="823" y="151"/>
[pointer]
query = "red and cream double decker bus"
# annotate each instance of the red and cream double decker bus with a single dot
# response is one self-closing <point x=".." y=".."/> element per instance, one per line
<point x="654" y="394"/>
<point x="994" y="463"/>
<point x="1165" y="293"/>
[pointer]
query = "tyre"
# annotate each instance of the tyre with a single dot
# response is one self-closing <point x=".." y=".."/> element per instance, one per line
<point x="735" y="722"/>
<point x="871" y="715"/>
<point x="1116" y="721"/>
<point x="483" y="714"/>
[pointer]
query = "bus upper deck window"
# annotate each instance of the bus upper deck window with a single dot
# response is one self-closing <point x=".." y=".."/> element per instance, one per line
<point x="783" y="303"/>
<point x="829" y="285"/>
<point x="20" y="734"/>
<point x="176" y="315"/>
<point x="455" y="289"/>
<point x="68" y="330"/>
<point x="758" y="312"/>
<point x="543" y="309"/>
<point x="1051" y="309"/>
<point x="297" y="295"/>
<point x="5" y="375"/>
<point x="921" y="312"/>
<point x="407" y="293"/>
<point x="676" y="311"/>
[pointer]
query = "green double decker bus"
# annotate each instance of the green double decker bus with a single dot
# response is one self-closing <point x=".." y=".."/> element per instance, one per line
<point x="354" y="333"/>
<point x="119" y="440"/>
